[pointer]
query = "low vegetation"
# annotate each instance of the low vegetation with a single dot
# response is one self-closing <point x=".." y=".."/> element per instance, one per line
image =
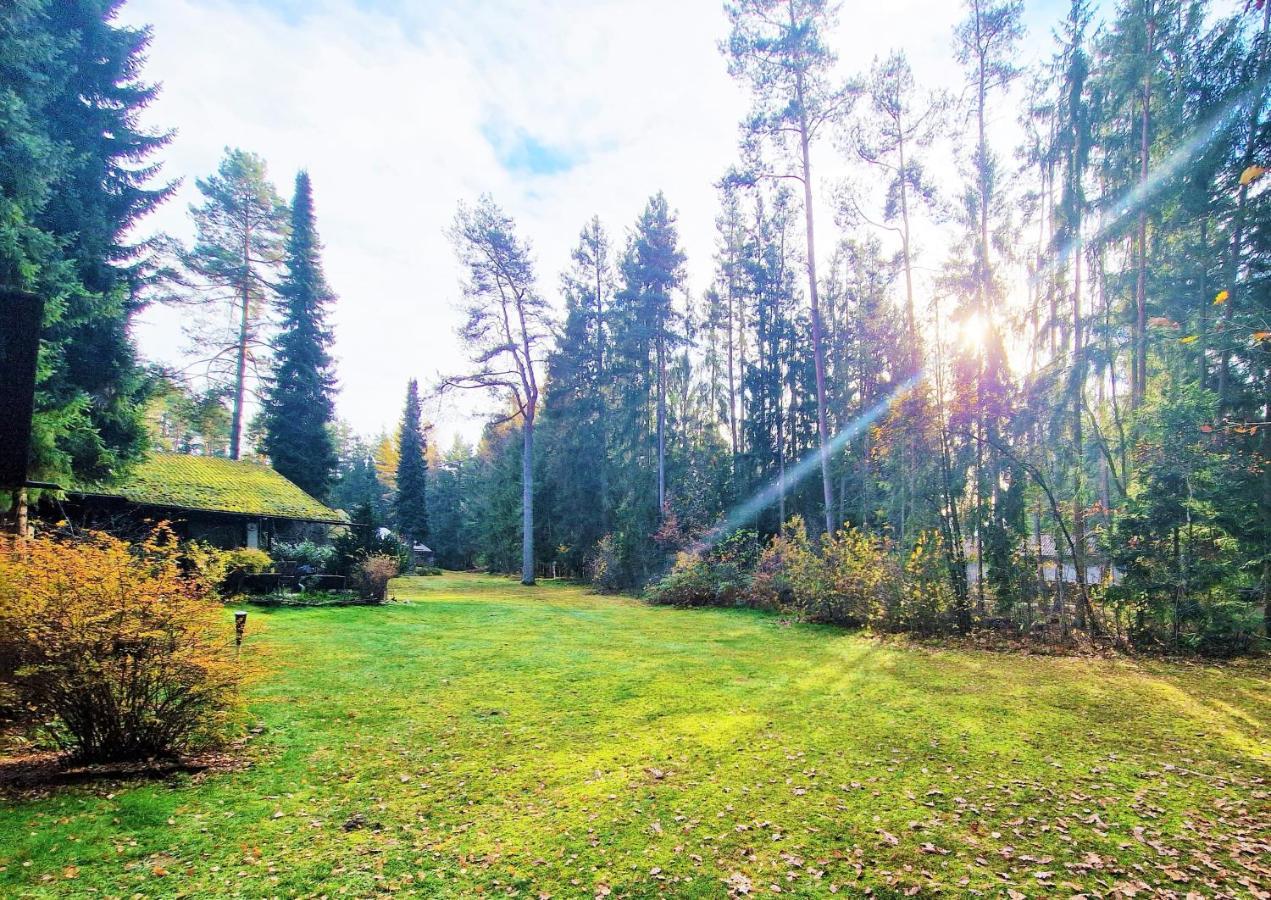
<point x="120" y="650"/>
<point x="854" y="578"/>
<point x="484" y="738"/>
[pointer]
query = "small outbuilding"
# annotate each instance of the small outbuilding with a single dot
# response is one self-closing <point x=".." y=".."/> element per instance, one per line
<point x="228" y="503"/>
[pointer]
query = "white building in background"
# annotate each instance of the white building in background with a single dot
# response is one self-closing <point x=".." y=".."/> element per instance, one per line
<point x="1043" y="547"/>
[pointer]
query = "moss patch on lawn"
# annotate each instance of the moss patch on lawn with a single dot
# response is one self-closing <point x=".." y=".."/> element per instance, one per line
<point x="481" y="736"/>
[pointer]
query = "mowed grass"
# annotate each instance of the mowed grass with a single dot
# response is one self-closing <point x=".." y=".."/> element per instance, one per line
<point x="496" y="739"/>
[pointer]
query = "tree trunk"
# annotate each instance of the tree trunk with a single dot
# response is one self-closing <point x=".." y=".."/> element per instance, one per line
<point x="1078" y="389"/>
<point x="240" y="376"/>
<point x="911" y="326"/>
<point x="661" y="425"/>
<point x="527" y="499"/>
<point x="1139" y="384"/>
<point x="732" y="378"/>
<point x="602" y="424"/>
<point x="818" y="344"/>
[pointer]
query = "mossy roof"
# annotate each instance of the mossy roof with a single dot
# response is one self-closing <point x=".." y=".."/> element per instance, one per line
<point x="215" y="484"/>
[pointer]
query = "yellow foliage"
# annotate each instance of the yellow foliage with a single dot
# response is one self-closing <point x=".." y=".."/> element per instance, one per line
<point x="1222" y="297"/>
<point x="248" y="559"/>
<point x="1251" y="174"/>
<point x="123" y="646"/>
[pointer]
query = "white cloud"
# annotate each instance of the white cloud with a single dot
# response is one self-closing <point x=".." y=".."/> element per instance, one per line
<point x="389" y="111"/>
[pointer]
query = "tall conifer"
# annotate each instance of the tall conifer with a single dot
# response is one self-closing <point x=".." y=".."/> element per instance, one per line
<point x="410" y="506"/>
<point x="298" y="408"/>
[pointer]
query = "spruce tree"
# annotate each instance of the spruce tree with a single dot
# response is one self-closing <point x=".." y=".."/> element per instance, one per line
<point x="410" y="506"/>
<point x="575" y="490"/>
<point x="76" y="174"/>
<point x="299" y="411"/>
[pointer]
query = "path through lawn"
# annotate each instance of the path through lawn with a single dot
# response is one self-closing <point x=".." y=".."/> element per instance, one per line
<point x="485" y="737"/>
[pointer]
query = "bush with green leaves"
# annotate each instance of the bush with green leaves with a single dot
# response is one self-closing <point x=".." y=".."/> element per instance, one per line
<point x="700" y="581"/>
<point x="356" y="545"/>
<point x="248" y="560"/>
<point x="605" y="566"/>
<point x="319" y="557"/>
<point x="925" y="602"/>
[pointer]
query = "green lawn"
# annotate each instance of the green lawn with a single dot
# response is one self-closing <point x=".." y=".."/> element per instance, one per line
<point x="545" y="741"/>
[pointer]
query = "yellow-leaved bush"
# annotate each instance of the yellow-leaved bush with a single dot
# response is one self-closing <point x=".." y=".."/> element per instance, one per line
<point x="123" y="650"/>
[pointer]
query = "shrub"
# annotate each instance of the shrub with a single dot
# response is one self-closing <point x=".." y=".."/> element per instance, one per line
<point x="698" y="581"/>
<point x="122" y="648"/>
<point x="770" y="586"/>
<point x="248" y="560"/>
<point x="926" y="601"/>
<point x="358" y="544"/>
<point x="374" y="573"/>
<point x="852" y="581"/>
<point x="605" y="566"/>
<point x="319" y="557"/>
<point x="206" y="563"/>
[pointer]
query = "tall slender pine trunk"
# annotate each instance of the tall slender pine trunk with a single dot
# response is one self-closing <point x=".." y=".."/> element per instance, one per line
<point x="661" y="424"/>
<point x="527" y="498"/>
<point x="818" y="342"/>
<point x="1139" y="382"/>
<point x="240" y="371"/>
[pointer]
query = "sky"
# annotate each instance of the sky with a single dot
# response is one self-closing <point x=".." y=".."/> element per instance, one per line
<point x="560" y="109"/>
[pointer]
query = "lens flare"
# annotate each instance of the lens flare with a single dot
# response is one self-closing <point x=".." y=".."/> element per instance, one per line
<point x="770" y="493"/>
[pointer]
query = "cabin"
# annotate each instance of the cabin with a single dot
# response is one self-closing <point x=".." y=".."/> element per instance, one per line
<point x="227" y="503"/>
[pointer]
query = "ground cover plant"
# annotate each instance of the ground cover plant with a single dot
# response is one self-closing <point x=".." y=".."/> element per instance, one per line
<point x="484" y="738"/>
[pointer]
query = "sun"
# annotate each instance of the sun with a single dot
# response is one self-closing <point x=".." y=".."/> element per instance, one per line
<point x="972" y="332"/>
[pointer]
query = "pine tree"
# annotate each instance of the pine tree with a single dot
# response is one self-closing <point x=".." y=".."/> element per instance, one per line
<point x="901" y="124"/>
<point x="778" y="46"/>
<point x="299" y="411"/>
<point x="241" y="228"/>
<point x="507" y="322"/>
<point x="410" y="504"/>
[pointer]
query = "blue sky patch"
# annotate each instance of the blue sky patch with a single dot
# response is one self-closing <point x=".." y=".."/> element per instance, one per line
<point x="519" y="151"/>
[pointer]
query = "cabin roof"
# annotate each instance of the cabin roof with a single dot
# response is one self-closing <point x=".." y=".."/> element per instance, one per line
<point x="214" y="484"/>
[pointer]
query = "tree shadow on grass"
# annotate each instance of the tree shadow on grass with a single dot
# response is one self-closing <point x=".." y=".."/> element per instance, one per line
<point x="30" y="776"/>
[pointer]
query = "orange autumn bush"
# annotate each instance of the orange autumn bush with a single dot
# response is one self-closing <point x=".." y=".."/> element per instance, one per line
<point x="122" y="649"/>
<point x="373" y="574"/>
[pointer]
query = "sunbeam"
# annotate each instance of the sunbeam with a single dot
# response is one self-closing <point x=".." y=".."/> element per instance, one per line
<point x="1145" y="193"/>
<point x="769" y="494"/>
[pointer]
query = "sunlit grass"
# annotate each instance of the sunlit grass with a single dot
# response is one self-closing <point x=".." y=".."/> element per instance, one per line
<point x="497" y="738"/>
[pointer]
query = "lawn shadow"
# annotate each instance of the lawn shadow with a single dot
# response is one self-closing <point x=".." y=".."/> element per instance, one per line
<point x="31" y="776"/>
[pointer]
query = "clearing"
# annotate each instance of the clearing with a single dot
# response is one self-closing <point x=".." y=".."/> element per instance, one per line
<point x="489" y="738"/>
